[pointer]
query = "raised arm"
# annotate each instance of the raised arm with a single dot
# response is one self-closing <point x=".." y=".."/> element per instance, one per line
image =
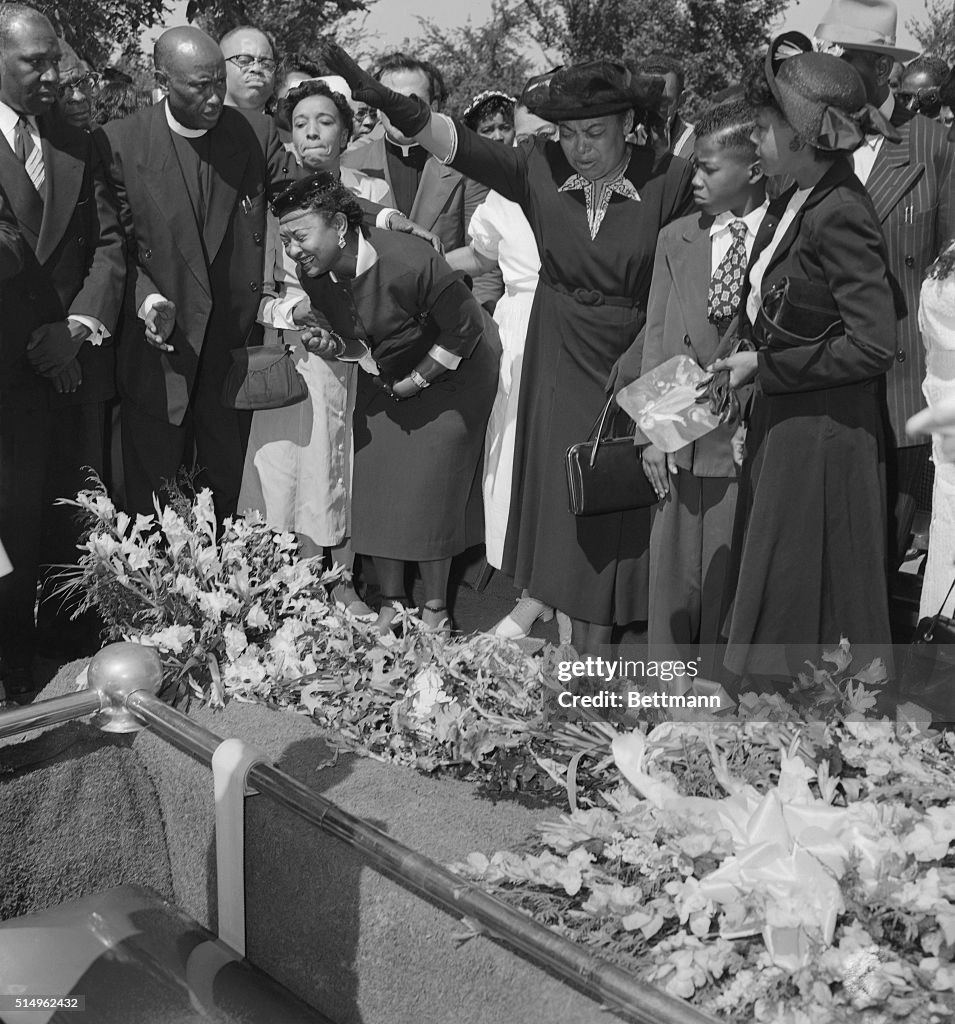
<point x="501" y="168"/>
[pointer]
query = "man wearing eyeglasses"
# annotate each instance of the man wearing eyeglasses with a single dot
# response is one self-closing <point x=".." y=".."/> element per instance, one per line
<point x="56" y="354"/>
<point x="77" y="84"/>
<point x="249" y="68"/>
<point x="920" y="86"/>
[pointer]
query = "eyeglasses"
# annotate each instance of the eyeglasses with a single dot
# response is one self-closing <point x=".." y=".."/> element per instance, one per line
<point x="83" y="82"/>
<point x="243" y="61"/>
<point x="923" y="101"/>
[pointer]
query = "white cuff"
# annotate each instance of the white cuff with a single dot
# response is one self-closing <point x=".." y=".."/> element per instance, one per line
<point x="98" y="333"/>
<point x="381" y="221"/>
<point x="148" y="304"/>
<point x="447" y="359"/>
<point x="277" y="312"/>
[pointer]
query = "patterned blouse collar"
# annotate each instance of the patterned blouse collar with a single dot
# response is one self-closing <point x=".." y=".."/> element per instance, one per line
<point x="597" y="205"/>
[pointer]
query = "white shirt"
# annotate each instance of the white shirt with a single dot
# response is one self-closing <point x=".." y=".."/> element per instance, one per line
<point x="758" y="271"/>
<point x="721" y="237"/>
<point x="863" y="158"/>
<point x="8" y="125"/>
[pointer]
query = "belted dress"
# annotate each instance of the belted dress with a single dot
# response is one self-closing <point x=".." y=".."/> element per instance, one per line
<point x="596" y="254"/>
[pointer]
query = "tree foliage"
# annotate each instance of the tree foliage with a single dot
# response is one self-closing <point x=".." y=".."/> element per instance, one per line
<point x="97" y="28"/>
<point x="294" y="25"/>
<point x="474" y="58"/>
<point x="936" y="34"/>
<point x="717" y="42"/>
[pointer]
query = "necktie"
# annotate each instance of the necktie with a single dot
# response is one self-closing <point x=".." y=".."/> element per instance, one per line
<point x="29" y="153"/>
<point x="726" y="283"/>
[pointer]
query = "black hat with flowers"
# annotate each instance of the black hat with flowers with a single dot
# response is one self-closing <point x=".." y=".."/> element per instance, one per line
<point x="594" y="89"/>
<point x="821" y="96"/>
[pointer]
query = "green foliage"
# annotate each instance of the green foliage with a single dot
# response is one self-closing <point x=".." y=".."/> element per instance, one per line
<point x="474" y="58"/>
<point x="936" y="33"/>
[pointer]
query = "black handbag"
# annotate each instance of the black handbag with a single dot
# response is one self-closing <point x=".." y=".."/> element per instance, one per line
<point x="795" y="312"/>
<point x="262" y="377"/>
<point x="928" y="675"/>
<point x="604" y="473"/>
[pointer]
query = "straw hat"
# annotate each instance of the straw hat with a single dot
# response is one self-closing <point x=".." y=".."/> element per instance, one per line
<point x="821" y="96"/>
<point x="863" y="25"/>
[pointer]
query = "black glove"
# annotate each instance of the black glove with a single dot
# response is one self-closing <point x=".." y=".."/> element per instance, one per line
<point x="408" y="114"/>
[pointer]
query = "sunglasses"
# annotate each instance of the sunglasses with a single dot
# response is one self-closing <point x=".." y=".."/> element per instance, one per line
<point x="922" y="101"/>
<point x="243" y="61"/>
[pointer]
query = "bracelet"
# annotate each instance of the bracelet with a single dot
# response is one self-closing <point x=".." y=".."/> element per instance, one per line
<point x="419" y="380"/>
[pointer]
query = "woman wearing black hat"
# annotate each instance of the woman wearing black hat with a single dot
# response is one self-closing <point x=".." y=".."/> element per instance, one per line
<point x="812" y="499"/>
<point x="595" y="205"/>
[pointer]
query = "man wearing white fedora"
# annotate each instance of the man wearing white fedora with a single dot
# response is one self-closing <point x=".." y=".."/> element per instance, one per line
<point x="913" y="189"/>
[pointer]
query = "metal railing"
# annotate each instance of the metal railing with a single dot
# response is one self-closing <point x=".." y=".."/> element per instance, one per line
<point x="123" y="682"/>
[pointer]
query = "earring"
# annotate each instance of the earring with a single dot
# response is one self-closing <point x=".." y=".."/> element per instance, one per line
<point x="794" y="145"/>
<point x="341" y="238"/>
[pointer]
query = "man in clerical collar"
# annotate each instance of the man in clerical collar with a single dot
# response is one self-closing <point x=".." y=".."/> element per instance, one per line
<point x="434" y="196"/>
<point x="190" y="174"/>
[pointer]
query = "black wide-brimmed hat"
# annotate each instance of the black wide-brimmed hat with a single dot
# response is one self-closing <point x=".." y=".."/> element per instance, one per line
<point x="821" y="96"/>
<point x="594" y="89"/>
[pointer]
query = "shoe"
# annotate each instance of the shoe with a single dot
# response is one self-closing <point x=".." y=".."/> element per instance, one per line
<point x="436" y="619"/>
<point x="357" y="609"/>
<point x="388" y="610"/>
<point x="519" y="623"/>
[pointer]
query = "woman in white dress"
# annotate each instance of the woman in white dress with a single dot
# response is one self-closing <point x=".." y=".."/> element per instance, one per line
<point x="299" y="461"/>
<point x="501" y="236"/>
<point x="937" y="323"/>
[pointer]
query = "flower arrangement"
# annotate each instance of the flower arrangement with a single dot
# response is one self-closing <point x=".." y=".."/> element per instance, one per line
<point x="791" y="866"/>
<point x="818" y="897"/>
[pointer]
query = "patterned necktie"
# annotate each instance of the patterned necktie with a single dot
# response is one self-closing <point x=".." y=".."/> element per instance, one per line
<point x="726" y="283"/>
<point x="29" y="153"/>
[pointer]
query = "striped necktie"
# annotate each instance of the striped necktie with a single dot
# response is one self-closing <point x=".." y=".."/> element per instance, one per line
<point x="29" y="153"/>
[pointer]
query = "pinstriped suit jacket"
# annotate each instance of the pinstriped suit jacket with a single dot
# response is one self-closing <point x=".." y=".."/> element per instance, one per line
<point x="912" y="187"/>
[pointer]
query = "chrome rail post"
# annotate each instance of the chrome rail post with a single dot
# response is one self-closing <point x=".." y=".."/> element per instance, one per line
<point x="599" y="979"/>
<point x="49" y="712"/>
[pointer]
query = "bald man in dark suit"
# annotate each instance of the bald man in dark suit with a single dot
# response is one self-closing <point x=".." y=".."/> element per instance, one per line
<point x="190" y="175"/>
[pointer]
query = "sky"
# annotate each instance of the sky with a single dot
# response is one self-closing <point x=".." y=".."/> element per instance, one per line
<point x="391" y="21"/>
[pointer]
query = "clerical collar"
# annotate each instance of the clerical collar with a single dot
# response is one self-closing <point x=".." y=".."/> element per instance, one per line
<point x="181" y="129"/>
<point x="405" y="150"/>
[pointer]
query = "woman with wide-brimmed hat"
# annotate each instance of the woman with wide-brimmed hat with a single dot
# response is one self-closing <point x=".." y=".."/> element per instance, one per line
<point x="812" y="545"/>
<point x="595" y="205"/>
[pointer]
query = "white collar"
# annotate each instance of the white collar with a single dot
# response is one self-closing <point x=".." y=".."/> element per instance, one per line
<point x="9" y="118"/>
<point x="365" y="258"/>
<point x="405" y="150"/>
<point x="752" y="220"/>
<point x="887" y="108"/>
<point x="181" y="129"/>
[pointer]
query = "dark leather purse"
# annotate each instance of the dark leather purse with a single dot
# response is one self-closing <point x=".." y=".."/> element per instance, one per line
<point x="604" y="473"/>
<point x="262" y="377"/>
<point x="795" y="312"/>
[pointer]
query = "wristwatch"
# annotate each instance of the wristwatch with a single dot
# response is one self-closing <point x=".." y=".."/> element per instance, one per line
<point x="419" y="380"/>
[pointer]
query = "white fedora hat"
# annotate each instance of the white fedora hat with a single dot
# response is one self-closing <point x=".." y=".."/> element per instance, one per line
<point x="863" y="25"/>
